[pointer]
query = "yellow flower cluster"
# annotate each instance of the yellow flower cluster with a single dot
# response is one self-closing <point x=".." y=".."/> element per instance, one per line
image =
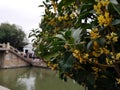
<point x="52" y="66"/>
<point x="72" y="15"/>
<point x="61" y="18"/>
<point x="54" y="5"/>
<point x="95" y="45"/>
<point x="104" y="19"/>
<point x="94" y="60"/>
<point x="85" y="56"/>
<point x="118" y="56"/>
<point x="118" y="80"/>
<point x="104" y="50"/>
<point x="112" y="37"/>
<point x="109" y="61"/>
<point x="100" y="4"/>
<point x="113" y="58"/>
<point x="95" y="69"/>
<point x="77" y="54"/>
<point x="103" y="15"/>
<point x="98" y="51"/>
<point x="52" y="21"/>
<point x="67" y="17"/>
<point x="95" y="54"/>
<point x="81" y="57"/>
<point x="94" y="33"/>
<point x="66" y="46"/>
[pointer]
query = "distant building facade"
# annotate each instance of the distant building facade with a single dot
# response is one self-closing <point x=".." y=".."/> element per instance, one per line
<point x="28" y="49"/>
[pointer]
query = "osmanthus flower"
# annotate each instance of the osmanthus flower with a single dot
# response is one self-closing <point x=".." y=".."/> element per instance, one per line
<point x="113" y="57"/>
<point x="54" y="5"/>
<point x="95" y="69"/>
<point x="52" y="65"/>
<point x="112" y="37"/>
<point x="104" y="19"/>
<point x="94" y="33"/>
<point x="98" y="51"/>
<point x="60" y="18"/>
<point x="95" y="54"/>
<point x="109" y="61"/>
<point x="85" y="56"/>
<point x="118" y="80"/>
<point x="100" y="4"/>
<point x="118" y="56"/>
<point x="95" y="45"/>
<point x="105" y="2"/>
<point x="104" y="50"/>
<point x="72" y="15"/>
<point x="66" y="17"/>
<point x="97" y="8"/>
<point x="108" y="18"/>
<point x="77" y="54"/>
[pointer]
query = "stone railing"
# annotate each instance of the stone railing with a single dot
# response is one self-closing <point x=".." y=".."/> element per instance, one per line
<point x="2" y="45"/>
<point x="9" y="47"/>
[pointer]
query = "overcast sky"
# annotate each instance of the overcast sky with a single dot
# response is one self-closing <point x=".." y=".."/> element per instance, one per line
<point x="24" y="13"/>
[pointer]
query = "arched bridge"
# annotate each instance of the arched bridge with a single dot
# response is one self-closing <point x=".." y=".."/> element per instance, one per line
<point x="11" y="58"/>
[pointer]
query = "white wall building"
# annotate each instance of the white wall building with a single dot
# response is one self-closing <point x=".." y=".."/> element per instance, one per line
<point x="28" y="48"/>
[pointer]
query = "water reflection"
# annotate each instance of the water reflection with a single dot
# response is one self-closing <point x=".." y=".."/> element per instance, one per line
<point x="27" y="82"/>
<point x="34" y="79"/>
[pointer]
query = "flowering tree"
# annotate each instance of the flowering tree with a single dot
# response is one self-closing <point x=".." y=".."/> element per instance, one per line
<point x="80" y="38"/>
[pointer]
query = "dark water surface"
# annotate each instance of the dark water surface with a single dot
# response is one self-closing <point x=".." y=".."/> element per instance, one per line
<point x="34" y="79"/>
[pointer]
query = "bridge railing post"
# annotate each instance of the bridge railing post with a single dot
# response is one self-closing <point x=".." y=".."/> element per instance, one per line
<point x="3" y="45"/>
<point x="8" y="45"/>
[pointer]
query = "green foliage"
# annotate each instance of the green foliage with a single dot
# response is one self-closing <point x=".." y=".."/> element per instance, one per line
<point x="12" y="34"/>
<point x="80" y="38"/>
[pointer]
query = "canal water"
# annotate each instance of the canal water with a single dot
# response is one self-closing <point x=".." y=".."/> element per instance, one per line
<point x="35" y="79"/>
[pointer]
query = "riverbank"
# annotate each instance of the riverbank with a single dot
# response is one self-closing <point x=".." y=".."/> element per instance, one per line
<point x="3" y="88"/>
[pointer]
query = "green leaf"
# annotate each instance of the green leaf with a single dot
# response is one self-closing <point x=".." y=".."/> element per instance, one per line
<point x="67" y="33"/>
<point x="64" y="3"/>
<point x="91" y="79"/>
<point x="76" y="35"/>
<point x="60" y="36"/>
<point x="88" y="1"/>
<point x="49" y="56"/>
<point x="115" y="22"/>
<point x="114" y="1"/>
<point x="66" y="62"/>
<point x="101" y="41"/>
<point x="86" y="26"/>
<point x="85" y="7"/>
<point x="117" y="8"/>
<point x="83" y="15"/>
<point x="89" y="45"/>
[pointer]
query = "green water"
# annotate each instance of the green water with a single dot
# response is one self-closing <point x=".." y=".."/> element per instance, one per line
<point x="34" y="79"/>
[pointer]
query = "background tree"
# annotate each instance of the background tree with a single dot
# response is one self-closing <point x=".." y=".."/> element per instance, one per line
<point x="12" y="34"/>
<point x="80" y="38"/>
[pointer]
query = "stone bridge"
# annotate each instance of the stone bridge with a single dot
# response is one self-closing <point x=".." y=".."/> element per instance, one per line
<point x="12" y="58"/>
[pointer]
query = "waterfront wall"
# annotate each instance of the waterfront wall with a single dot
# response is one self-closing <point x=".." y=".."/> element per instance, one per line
<point x="11" y="58"/>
